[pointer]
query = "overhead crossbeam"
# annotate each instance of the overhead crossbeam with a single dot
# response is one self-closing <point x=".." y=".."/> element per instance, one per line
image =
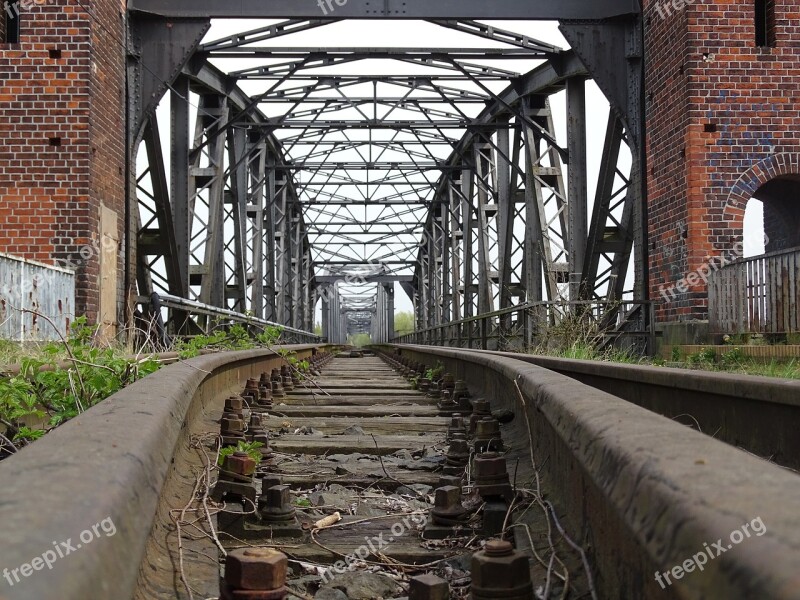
<point x="390" y="9"/>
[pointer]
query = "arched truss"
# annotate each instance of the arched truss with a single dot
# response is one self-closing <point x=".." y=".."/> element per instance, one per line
<point x="452" y="182"/>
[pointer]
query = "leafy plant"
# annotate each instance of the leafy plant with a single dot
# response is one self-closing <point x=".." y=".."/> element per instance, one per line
<point x="251" y="448"/>
<point x="732" y="358"/>
<point x="706" y="356"/>
<point x="435" y="372"/>
<point x="45" y="394"/>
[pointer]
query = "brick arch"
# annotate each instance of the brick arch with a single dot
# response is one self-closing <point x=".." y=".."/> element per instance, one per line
<point x="775" y="165"/>
<point x="780" y="218"/>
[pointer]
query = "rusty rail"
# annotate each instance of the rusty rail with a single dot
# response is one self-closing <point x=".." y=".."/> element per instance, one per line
<point x="756" y="295"/>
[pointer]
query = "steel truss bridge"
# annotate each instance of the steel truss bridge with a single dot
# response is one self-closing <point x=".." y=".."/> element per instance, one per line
<point x="292" y="175"/>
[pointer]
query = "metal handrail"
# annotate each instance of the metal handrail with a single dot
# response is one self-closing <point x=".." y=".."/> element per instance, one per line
<point x="198" y="308"/>
<point x="751" y="259"/>
<point x="516" y="309"/>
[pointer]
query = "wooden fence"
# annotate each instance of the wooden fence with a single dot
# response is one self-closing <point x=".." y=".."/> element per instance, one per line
<point x="756" y="295"/>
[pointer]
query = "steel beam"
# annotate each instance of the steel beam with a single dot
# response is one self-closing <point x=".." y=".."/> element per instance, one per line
<point x="578" y="182"/>
<point x="389" y="9"/>
<point x="180" y="145"/>
<point x="159" y="49"/>
<point x="156" y="237"/>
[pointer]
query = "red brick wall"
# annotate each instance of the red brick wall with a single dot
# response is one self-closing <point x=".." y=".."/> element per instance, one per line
<point x="107" y="127"/>
<point x="50" y="195"/>
<point x="723" y="119"/>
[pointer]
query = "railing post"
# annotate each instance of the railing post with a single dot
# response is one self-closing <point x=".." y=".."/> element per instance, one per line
<point x="484" y="333"/>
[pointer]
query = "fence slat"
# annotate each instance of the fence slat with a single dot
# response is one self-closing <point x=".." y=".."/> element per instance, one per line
<point x="756" y="295"/>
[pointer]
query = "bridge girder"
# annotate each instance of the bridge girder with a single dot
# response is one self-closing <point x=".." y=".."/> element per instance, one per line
<point x="507" y="218"/>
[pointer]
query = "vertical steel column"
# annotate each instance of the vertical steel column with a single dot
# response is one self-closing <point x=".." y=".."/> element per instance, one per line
<point x="212" y="114"/>
<point x="505" y="229"/>
<point x="578" y="183"/>
<point x="257" y="151"/>
<point x="283" y="247"/>
<point x="309" y="286"/>
<point x="379" y="326"/>
<point x="326" y="312"/>
<point x="389" y="291"/>
<point x="179" y="177"/>
<point x="484" y="162"/>
<point x="456" y="249"/>
<point x="297" y="272"/>
<point x="469" y="226"/>
<point x="445" y="308"/>
<point x="236" y="289"/>
<point x="534" y="239"/>
<point x="271" y="221"/>
<point x="156" y="234"/>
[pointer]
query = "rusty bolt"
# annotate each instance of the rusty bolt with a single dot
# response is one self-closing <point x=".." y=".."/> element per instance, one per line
<point x="264" y="380"/>
<point x="487" y="435"/>
<point x="234" y="404"/>
<point x="450" y="480"/>
<point x="256" y="569"/>
<point x="448" y="382"/>
<point x="276" y="375"/>
<point x="448" y="509"/>
<point x="458" y="453"/>
<point x="251" y="390"/>
<point x="491" y="475"/>
<point x="498" y="571"/>
<point x="428" y="587"/>
<point x="277" y="390"/>
<point x="480" y="409"/>
<point x="256" y="421"/>
<point x="239" y="463"/>
<point x="265" y="397"/>
<point x="275" y="504"/>
<point x="288" y="384"/>
<point x="232" y="425"/>
<point x="456" y="430"/>
<point x="270" y="480"/>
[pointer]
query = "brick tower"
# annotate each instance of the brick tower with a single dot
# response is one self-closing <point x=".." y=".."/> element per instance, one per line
<point x="62" y="143"/>
<point x="723" y="118"/>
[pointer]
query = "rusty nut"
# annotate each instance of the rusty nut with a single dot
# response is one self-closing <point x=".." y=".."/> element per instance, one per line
<point x="256" y="569"/>
<point x="239" y="463"/>
<point x="499" y="567"/>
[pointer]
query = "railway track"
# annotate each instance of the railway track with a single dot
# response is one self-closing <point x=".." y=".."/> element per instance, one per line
<point x="367" y="488"/>
<point x="410" y="472"/>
